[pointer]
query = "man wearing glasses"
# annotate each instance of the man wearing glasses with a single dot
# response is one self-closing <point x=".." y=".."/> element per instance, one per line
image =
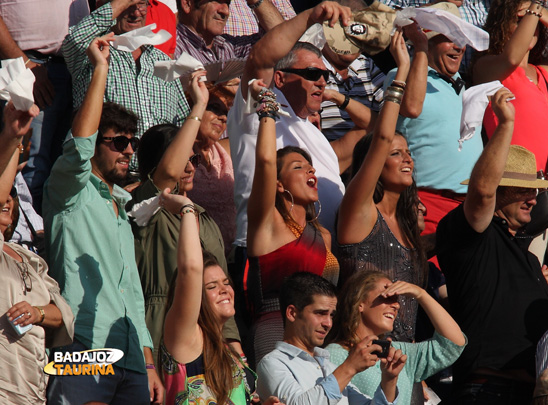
<point x="91" y="250"/>
<point x="130" y="81"/>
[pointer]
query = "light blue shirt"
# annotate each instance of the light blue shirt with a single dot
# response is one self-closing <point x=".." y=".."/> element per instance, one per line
<point x="297" y="378"/>
<point x="433" y="137"/>
<point x="423" y="360"/>
<point x="92" y="256"/>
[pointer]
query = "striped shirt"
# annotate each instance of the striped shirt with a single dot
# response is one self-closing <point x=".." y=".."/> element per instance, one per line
<point x="364" y="84"/>
<point x="224" y="47"/>
<point x="242" y="21"/>
<point x="154" y="100"/>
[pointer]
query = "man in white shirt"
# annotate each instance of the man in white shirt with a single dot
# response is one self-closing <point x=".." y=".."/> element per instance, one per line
<point x="298" y="371"/>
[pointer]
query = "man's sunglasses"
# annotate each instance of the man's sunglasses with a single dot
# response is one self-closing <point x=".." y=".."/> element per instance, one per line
<point x="195" y="159"/>
<point x="121" y="142"/>
<point x="312" y="74"/>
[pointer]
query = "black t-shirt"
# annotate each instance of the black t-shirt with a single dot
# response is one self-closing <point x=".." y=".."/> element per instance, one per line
<point x="497" y="294"/>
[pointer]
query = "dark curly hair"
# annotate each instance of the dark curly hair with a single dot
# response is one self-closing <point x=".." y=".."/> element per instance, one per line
<point x="406" y="209"/>
<point x="502" y="15"/>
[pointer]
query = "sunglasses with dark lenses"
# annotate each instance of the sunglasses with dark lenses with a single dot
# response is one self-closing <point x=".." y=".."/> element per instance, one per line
<point x="121" y="142"/>
<point x="13" y="192"/>
<point x="312" y="74"/>
<point x="195" y="159"/>
<point x="217" y="109"/>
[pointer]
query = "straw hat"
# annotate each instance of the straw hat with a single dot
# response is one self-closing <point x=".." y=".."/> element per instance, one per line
<point x="520" y="170"/>
<point x="445" y="6"/>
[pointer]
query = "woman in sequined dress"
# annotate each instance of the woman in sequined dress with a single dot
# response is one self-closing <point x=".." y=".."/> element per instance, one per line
<point x="377" y="224"/>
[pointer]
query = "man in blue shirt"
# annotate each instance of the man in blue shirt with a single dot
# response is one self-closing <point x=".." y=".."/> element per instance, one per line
<point x="91" y="249"/>
<point x="298" y="371"/>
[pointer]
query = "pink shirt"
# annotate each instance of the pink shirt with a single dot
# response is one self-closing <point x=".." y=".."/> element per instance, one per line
<point x="41" y="25"/>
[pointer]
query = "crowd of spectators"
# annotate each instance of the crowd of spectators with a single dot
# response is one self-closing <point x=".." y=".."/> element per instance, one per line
<point x="206" y="230"/>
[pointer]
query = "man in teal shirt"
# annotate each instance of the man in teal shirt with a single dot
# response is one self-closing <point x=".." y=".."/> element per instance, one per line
<point x="91" y="250"/>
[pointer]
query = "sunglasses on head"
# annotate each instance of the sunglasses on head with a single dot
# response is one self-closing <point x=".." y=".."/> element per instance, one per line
<point x="195" y="159"/>
<point x="121" y="142"/>
<point x="312" y="74"/>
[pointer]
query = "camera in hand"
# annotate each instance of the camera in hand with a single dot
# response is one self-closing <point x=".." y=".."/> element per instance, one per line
<point x="385" y="344"/>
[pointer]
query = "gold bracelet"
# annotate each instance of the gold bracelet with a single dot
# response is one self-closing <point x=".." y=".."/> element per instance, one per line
<point x="193" y="117"/>
<point x="42" y="314"/>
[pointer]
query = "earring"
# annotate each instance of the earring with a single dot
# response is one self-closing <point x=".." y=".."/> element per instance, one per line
<point x="319" y="211"/>
<point x="292" y="200"/>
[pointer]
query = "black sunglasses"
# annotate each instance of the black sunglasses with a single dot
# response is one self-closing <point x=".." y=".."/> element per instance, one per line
<point x="312" y="74"/>
<point x="195" y="159"/>
<point x="121" y="142"/>
<point x="217" y="109"/>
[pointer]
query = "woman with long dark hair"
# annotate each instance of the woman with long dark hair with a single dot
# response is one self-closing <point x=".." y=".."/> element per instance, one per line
<point x="284" y="235"/>
<point x="199" y="366"/>
<point x="377" y="226"/>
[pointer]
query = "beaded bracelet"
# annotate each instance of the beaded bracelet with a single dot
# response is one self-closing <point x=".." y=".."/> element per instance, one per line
<point x="185" y="209"/>
<point x="267" y="105"/>
<point x="539" y="15"/>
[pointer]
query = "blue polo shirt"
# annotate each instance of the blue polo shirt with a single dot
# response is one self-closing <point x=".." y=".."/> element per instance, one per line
<point x="433" y="137"/>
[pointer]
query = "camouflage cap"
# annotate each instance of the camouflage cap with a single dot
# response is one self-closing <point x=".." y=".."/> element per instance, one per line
<point x="369" y="31"/>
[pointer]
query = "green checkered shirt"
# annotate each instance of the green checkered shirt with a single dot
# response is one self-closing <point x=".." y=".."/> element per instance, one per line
<point x="135" y="87"/>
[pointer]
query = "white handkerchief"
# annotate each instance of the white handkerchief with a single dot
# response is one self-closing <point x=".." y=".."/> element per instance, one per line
<point x="216" y="72"/>
<point x="143" y="211"/>
<point x="315" y="36"/>
<point x="16" y="83"/>
<point x="459" y="31"/>
<point x="132" y="40"/>
<point x="170" y="70"/>
<point x="474" y="103"/>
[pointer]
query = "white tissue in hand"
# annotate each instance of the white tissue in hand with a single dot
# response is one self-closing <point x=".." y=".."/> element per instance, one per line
<point x="133" y="40"/>
<point x="459" y="31"/>
<point x="474" y="102"/>
<point x="216" y="72"/>
<point x="143" y="211"/>
<point x="170" y="70"/>
<point x="16" y="83"/>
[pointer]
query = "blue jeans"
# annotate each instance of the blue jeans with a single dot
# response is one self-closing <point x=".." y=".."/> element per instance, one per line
<point x="49" y="130"/>
<point x="124" y="387"/>
<point x="494" y="391"/>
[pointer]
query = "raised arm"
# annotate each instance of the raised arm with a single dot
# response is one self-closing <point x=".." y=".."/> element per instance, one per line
<point x="415" y="91"/>
<point x="480" y="201"/>
<point x="443" y="323"/>
<point x="267" y="14"/>
<point x="182" y="336"/>
<point x="175" y="158"/>
<point x="86" y="122"/>
<point x="499" y="67"/>
<point x="260" y="207"/>
<point x="357" y="213"/>
<point x="362" y="117"/>
<point x="16" y="125"/>
<point x="277" y="42"/>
